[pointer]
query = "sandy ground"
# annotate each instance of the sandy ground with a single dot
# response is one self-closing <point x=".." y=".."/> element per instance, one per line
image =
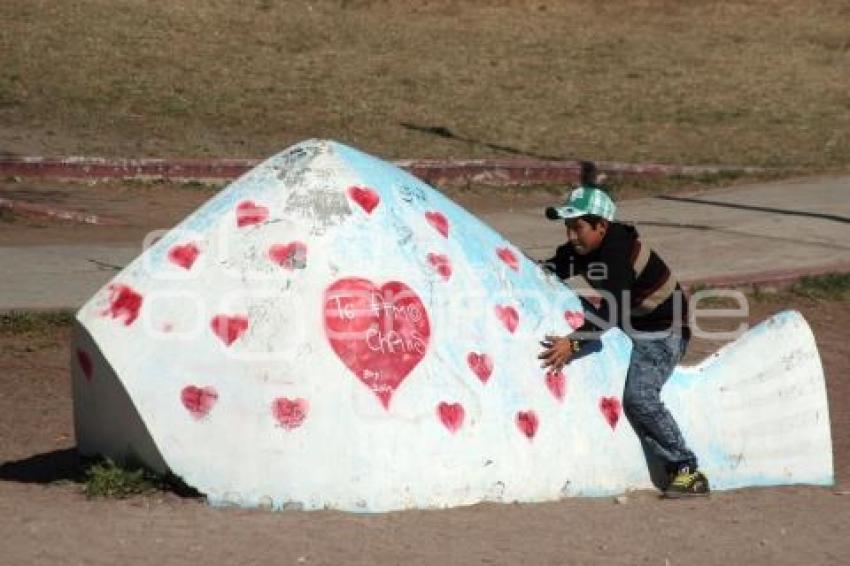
<point x="46" y="519"/>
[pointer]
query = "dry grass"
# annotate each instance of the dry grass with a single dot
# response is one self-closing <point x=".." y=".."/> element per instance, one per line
<point x="749" y="83"/>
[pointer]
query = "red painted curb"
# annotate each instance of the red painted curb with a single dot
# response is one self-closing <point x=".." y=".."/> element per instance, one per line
<point x="54" y="213"/>
<point x="492" y="172"/>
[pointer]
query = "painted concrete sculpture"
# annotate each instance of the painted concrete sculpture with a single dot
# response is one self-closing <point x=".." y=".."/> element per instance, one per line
<point x="330" y="332"/>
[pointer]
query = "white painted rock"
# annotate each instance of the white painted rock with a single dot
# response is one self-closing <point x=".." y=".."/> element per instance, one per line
<point x="330" y="332"/>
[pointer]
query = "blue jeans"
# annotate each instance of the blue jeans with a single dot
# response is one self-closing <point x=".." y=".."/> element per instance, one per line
<point x="651" y="365"/>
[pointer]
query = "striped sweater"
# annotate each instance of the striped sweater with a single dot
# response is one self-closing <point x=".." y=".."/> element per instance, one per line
<point x="646" y="294"/>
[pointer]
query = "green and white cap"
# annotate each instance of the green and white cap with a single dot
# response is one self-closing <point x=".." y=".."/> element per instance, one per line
<point x="583" y="201"/>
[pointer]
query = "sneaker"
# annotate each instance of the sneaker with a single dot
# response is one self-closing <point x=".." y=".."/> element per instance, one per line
<point x="687" y="483"/>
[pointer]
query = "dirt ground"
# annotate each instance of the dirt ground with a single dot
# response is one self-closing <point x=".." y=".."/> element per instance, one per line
<point x="46" y="519"/>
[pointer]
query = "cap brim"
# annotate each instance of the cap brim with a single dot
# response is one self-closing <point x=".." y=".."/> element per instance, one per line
<point x="563" y="212"/>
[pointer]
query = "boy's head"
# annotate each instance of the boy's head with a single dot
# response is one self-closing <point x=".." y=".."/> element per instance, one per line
<point x="587" y="214"/>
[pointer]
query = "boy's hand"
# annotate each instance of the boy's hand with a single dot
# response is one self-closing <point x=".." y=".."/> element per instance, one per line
<point x="558" y="351"/>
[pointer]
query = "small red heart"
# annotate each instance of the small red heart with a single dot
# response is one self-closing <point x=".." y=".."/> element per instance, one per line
<point x="289" y="256"/>
<point x="439" y="222"/>
<point x="442" y="264"/>
<point x="556" y="381"/>
<point x="198" y="400"/>
<point x="124" y="303"/>
<point x="574" y="318"/>
<point x="527" y="423"/>
<point x="365" y="197"/>
<point x="509" y="257"/>
<point x="248" y="212"/>
<point x="509" y="317"/>
<point x="184" y="255"/>
<point x="451" y="415"/>
<point x="610" y="407"/>
<point x="290" y="413"/>
<point x="86" y="364"/>
<point x="229" y="328"/>
<point x="481" y="365"/>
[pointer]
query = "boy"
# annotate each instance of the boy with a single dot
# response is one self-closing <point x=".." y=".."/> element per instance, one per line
<point x="641" y="297"/>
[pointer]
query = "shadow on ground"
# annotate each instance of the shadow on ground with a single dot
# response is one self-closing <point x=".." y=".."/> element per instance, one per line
<point x="50" y="467"/>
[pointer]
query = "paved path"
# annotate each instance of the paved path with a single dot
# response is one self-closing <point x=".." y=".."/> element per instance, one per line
<point x="751" y="233"/>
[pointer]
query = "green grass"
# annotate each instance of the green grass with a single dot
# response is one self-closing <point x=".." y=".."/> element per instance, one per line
<point x="105" y="478"/>
<point x="20" y="322"/>
<point x="830" y="287"/>
<point x="760" y="83"/>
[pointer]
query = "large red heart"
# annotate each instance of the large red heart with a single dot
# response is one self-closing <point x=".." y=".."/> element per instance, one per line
<point x="574" y="318"/>
<point x="527" y="423"/>
<point x="289" y="256"/>
<point x="441" y="264"/>
<point x="610" y="407"/>
<point x="481" y="365"/>
<point x="556" y="381"/>
<point x="451" y="415"/>
<point x="248" y="213"/>
<point x="198" y="400"/>
<point x="509" y="257"/>
<point x="365" y="197"/>
<point x="290" y="413"/>
<point x="380" y="334"/>
<point x="438" y="221"/>
<point x="229" y="328"/>
<point x="184" y="255"/>
<point x="509" y="317"/>
<point x="124" y="303"/>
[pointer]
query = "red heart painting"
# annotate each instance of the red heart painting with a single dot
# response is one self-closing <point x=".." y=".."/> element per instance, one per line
<point x="556" y="381"/>
<point x="84" y="359"/>
<point x="481" y="365"/>
<point x="451" y="415"/>
<point x="610" y="407"/>
<point x="438" y="221"/>
<point x="509" y="317"/>
<point x="248" y="213"/>
<point x="184" y="255"/>
<point x="527" y="423"/>
<point x="574" y="318"/>
<point x="229" y="328"/>
<point x="124" y="303"/>
<point x="289" y="256"/>
<point x="198" y="401"/>
<point x="441" y="264"/>
<point x="509" y="257"/>
<point x="379" y="333"/>
<point x="365" y="197"/>
<point x="290" y="413"/>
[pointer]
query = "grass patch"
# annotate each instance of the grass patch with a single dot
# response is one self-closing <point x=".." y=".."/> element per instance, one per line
<point x="105" y="478"/>
<point x="754" y="83"/>
<point x="20" y="322"/>
<point x="829" y="287"/>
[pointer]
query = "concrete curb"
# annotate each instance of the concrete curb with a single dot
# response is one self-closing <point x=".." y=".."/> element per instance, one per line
<point x="54" y="213"/>
<point x="490" y="172"/>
